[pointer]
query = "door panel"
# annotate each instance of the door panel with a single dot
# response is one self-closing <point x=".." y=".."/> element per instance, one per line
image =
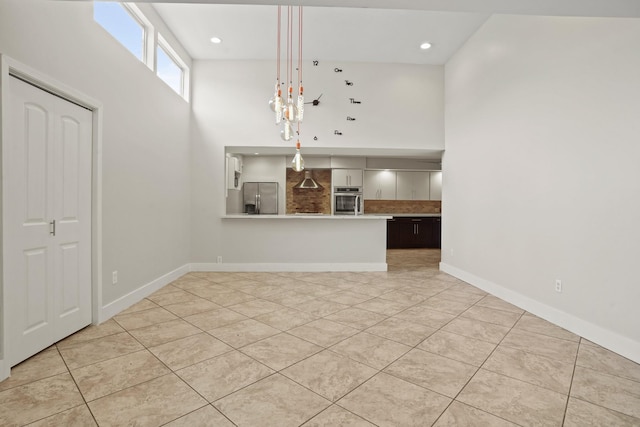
<point x="69" y="295"/>
<point x="35" y="291"/>
<point x="35" y="134"/>
<point x="69" y="170"/>
<point x="47" y="219"/>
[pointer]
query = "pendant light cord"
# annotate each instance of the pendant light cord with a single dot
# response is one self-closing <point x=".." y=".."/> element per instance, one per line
<point x="278" y="54"/>
<point x="289" y="34"/>
<point x="300" y="46"/>
<point x="299" y="58"/>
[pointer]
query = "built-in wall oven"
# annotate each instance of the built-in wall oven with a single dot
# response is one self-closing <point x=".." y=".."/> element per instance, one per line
<point x="348" y="201"/>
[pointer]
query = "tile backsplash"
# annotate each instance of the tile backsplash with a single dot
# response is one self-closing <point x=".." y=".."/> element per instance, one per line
<point x="309" y="200"/>
<point x="402" y="206"/>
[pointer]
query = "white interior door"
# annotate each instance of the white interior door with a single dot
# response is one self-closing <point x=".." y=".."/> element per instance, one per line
<point x="47" y="221"/>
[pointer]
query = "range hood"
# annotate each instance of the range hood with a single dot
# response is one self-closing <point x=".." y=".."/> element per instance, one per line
<point x="308" y="182"/>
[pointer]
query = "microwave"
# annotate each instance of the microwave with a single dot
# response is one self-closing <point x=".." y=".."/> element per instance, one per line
<point x="348" y="201"/>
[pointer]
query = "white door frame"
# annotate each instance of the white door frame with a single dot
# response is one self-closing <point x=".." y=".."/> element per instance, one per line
<point x="8" y="67"/>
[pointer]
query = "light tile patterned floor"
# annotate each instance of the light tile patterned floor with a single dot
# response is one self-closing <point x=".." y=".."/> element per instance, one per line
<point x="409" y="347"/>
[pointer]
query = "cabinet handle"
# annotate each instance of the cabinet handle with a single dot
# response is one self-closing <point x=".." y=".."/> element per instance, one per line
<point x="52" y="228"/>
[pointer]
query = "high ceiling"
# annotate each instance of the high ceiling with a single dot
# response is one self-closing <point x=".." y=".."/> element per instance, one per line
<point x="329" y="33"/>
<point x="357" y="30"/>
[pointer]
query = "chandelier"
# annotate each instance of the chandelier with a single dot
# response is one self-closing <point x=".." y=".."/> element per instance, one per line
<point x="289" y="113"/>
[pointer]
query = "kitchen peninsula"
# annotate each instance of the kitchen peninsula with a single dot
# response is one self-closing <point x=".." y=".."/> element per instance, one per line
<point x="310" y="233"/>
<point x="305" y="242"/>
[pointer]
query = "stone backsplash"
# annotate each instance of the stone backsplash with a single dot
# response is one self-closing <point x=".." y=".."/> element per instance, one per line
<point x="402" y="206"/>
<point x="309" y="200"/>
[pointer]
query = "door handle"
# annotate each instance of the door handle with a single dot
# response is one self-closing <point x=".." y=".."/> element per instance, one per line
<point x="52" y="228"/>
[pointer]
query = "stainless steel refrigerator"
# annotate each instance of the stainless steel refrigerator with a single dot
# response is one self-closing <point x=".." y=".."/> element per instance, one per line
<point x="260" y="198"/>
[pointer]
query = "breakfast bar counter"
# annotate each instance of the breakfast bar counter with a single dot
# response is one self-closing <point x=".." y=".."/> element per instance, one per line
<point x="303" y="243"/>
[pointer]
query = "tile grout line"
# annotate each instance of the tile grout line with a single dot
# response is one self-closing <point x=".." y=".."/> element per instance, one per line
<point x="573" y="374"/>
<point x="77" y="387"/>
<point x="455" y="399"/>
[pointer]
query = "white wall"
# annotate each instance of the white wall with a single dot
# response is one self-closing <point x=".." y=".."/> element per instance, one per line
<point x="146" y="132"/>
<point x="305" y="244"/>
<point x="541" y="165"/>
<point x="402" y="107"/>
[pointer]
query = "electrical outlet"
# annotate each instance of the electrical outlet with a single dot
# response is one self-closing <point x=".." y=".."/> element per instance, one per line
<point x="558" y="285"/>
<point x="219" y="260"/>
<point x="114" y="277"/>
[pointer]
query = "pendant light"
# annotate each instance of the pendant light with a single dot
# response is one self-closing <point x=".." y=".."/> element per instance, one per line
<point x="297" y="164"/>
<point x="290" y="111"/>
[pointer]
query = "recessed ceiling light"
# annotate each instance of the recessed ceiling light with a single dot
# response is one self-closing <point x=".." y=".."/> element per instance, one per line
<point x="425" y="45"/>
<point x="216" y="40"/>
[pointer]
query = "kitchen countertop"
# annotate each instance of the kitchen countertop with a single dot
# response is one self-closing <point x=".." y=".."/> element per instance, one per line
<point x="413" y="215"/>
<point x="310" y="217"/>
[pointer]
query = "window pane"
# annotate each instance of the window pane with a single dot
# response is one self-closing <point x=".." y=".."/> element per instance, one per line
<point x="168" y="70"/>
<point x="121" y="25"/>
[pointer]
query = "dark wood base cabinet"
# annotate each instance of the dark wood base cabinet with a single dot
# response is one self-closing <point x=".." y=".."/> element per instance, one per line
<point x="413" y="232"/>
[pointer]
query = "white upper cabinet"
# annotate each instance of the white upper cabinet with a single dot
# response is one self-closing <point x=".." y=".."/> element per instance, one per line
<point x="346" y="177"/>
<point x="413" y="185"/>
<point x="348" y="162"/>
<point x="435" y="186"/>
<point x="380" y="185"/>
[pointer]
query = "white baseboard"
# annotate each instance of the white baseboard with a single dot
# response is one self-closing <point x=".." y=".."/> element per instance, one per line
<point x="142" y="292"/>
<point x="284" y="267"/>
<point x="597" y="334"/>
<point x="126" y="301"/>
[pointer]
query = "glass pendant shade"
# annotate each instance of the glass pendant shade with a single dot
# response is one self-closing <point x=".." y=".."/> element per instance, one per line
<point x="300" y="105"/>
<point x="279" y="104"/>
<point x="291" y="112"/>
<point x="290" y="109"/>
<point x="298" y="162"/>
<point x="287" y="131"/>
<point x="276" y="103"/>
<point x="276" y="95"/>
